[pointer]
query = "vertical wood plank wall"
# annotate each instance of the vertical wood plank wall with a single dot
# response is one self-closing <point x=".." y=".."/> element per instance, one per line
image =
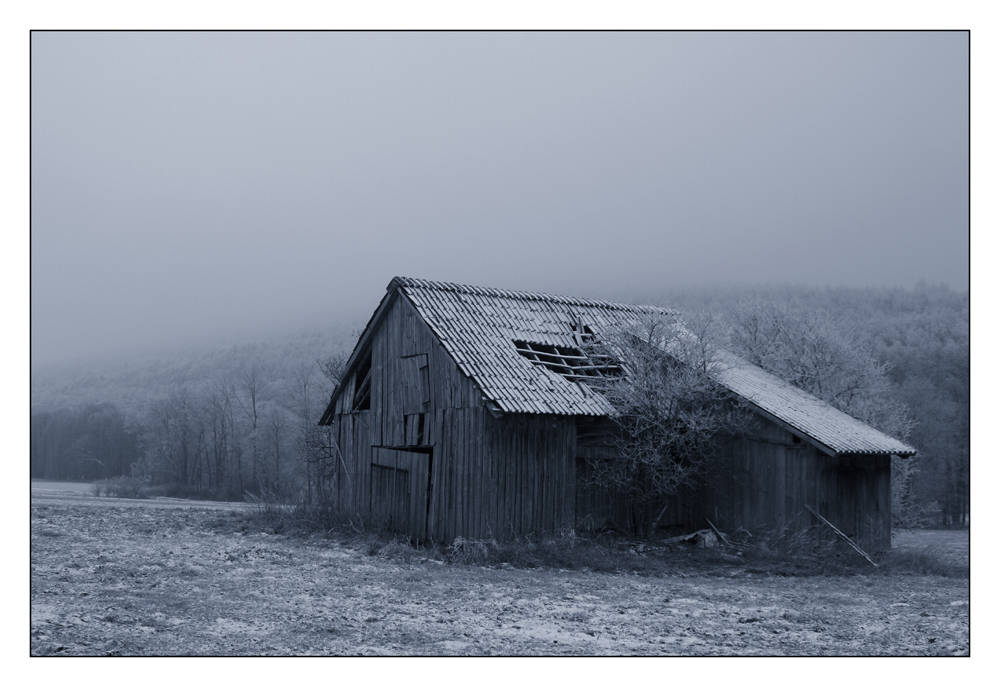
<point x="490" y="477"/>
<point x="500" y="478"/>
<point x="598" y="508"/>
<point x="761" y="485"/>
<point x="523" y="474"/>
<point x="764" y="485"/>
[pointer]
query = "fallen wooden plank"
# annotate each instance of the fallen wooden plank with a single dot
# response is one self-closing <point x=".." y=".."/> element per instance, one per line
<point x="842" y="536"/>
<point x="718" y="535"/>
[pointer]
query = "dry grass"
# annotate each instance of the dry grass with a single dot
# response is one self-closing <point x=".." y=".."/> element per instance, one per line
<point x="926" y="560"/>
<point x="800" y="554"/>
<point x="121" y="487"/>
<point x="566" y="550"/>
<point x="137" y="578"/>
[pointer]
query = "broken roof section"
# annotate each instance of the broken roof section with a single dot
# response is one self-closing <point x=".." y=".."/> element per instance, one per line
<point x="488" y="331"/>
<point x="485" y="331"/>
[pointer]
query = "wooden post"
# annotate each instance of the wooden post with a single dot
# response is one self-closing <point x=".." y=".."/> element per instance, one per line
<point x="842" y="536"/>
<point x="718" y="535"/>
<point x="342" y="461"/>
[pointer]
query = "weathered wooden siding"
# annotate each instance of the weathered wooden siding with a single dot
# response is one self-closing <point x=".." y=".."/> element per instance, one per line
<point x="761" y="485"/>
<point x="412" y="374"/>
<point x="351" y="478"/>
<point x="467" y="473"/>
<point x="415" y="390"/>
<point x="600" y="508"/>
<point x="488" y="477"/>
<point x="499" y="478"/>
<point x="855" y="494"/>
<point x="535" y="454"/>
<point x="764" y="485"/>
<point x="400" y="480"/>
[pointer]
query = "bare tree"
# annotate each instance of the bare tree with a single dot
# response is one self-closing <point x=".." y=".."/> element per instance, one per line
<point x="303" y="389"/>
<point x="277" y="421"/>
<point x="333" y="366"/>
<point x="168" y="440"/>
<point x="233" y="448"/>
<point x="668" y="412"/>
<point x="253" y="388"/>
<point x="317" y="444"/>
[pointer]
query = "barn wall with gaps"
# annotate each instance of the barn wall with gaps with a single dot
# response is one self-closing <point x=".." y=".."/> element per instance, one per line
<point x="428" y="458"/>
<point x="764" y="484"/>
<point x="486" y="477"/>
<point x="761" y="484"/>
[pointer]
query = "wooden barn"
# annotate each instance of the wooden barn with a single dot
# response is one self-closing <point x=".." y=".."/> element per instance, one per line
<point x="465" y="411"/>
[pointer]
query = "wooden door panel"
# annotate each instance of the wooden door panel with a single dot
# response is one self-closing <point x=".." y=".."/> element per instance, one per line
<point x="399" y="490"/>
<point x="419" y="474"/>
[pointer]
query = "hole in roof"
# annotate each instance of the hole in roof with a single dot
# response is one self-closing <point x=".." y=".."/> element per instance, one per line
<point x="569" y="361"/>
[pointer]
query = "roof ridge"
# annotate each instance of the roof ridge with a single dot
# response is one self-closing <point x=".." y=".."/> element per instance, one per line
<point x="471" y="290"/>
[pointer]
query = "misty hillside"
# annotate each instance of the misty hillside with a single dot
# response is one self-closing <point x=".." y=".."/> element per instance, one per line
<point x="923" y="333"/>
<point x="915" y="330"/>
<point x="99" y="421"/>
<point x="135" y="383"/>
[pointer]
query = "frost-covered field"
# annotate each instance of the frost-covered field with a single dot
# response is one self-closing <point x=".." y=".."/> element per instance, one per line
<point x="117" y="577"/>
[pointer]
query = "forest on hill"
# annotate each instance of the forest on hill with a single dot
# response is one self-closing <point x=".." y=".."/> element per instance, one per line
<point x="214" y="423"/>
<point x="922" y="335"/>
<point x="226" y="422"/>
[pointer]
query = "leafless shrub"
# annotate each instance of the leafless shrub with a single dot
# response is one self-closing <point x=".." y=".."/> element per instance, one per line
<point x="668" y="411"/>
<point x="121" y="487"/>
<point x="472" y="551"/>
<point x="396" y="548"/>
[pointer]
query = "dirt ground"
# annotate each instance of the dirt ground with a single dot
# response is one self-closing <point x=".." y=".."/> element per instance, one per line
<point x="166" y="577"/>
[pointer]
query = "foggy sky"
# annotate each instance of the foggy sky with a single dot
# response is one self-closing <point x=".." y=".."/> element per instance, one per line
<point x="195" y="187"/>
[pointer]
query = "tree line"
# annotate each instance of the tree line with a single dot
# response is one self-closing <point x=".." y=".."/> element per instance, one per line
<point x="243" y="421"/>
<point x="243" y="430"/>
<point x="920" y="339"/>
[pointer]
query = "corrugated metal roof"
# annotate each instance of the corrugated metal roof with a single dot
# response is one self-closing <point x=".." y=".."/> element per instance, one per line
<point x="478" y="326"/>
<point x="806" y="413"/>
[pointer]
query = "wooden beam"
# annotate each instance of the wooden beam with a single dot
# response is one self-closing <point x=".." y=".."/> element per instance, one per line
<point x="363" y="341"/>
<point x="842" y="535"/>
<point x="718" y="535"/>
<point x="364" y="391"/>
<point x="553" y="355"/>
<point x="595" y="367"/>
<point x="797" y="432"/>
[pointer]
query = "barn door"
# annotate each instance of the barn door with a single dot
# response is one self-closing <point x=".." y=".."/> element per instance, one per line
<point x="399" y="490"/>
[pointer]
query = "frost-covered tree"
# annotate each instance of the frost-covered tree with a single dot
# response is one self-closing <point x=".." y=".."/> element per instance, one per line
<point x="668" y="412"/>
<point x="816" y="353"/>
